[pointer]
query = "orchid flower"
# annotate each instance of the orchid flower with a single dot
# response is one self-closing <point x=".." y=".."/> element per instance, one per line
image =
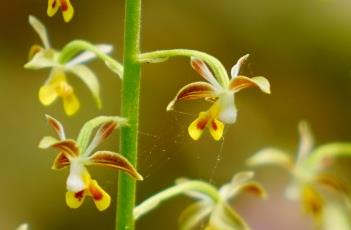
<point x="77" y="155"/>
<point x="220" y="213"/>
<point x="57" y="85"/>
<point x="306" y="177"/>
<point x="66" y="8"/>
<point x="221" y="93"/>
<point x="212" y="205"/>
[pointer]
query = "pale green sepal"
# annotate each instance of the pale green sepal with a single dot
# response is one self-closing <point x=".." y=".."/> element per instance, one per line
<point x="306" y="141"/>
<point x="40" y="29"/>
<point x="43" y="59"/>
<point x="89" y="78"/>
<point x="87" y="130"/>
<point x="114" y="67"/>
<point x="193" y="215"/>
<point x="271" y="156"/>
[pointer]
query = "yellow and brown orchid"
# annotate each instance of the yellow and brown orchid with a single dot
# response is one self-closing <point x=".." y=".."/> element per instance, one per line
<point x="212" y="208"/>
<point x="307" y="171"/>
<point x="57" y="85"/>
<point x="66" y="8"/>
<point x="221" y="93"/>
<point x="77" y="155"/>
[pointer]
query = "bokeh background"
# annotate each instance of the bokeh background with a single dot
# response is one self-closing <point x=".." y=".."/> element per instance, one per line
<point x="302" y="46"/>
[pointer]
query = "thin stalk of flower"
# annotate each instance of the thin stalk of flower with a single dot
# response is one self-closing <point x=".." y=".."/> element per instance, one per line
<point x="178" y="189"/>
<point x="78" y="155"/>
<point x="163" y="55"/>
<point x="211" y="206"/>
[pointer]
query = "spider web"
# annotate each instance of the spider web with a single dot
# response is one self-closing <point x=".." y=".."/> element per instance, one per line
<point x="157" y="150"/>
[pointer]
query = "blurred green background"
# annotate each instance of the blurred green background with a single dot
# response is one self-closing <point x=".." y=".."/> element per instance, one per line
<point x="302" y="46"/>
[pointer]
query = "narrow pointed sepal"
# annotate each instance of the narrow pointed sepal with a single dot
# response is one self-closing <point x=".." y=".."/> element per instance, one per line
<point x="57" y="126"/>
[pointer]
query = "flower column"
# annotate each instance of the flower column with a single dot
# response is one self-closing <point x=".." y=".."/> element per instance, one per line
<point x="130" y="109"/>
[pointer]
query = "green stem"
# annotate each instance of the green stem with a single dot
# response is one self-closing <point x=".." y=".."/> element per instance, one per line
<point x="217" y="67"/>
<point x="75" y="47"/>
<point x="176" y="190"/>
<point x="129" y="109"/>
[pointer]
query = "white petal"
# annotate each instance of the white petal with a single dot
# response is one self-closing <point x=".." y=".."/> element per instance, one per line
<point x="228" y="111"/>
<point x="40" y="29"/>
<point x="88" y="55"/>
<point x="236" y="68"/>
<point x="75" y="180"/>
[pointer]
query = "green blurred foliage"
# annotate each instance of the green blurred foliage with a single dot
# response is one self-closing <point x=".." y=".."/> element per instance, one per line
<point x="302" y="47"/>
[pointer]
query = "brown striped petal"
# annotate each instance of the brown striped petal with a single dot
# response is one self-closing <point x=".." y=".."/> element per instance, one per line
<point x="61" y="161"/>
<point x="57" y="126"/>
<point x="103" y="133"/>
<point x="201" y="68"/>
<point x="192" y="91"/>
<point x="69" y="147"/>
<point x="241" y="82"/>
<point x="114" y="160"/>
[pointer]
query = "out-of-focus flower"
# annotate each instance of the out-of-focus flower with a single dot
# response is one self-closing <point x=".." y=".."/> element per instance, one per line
<point x="77" y="155"/>
<point x="57" y="85"/>
<point x="306" y="171"/>
<point x="23" y="227"/>
<point x="211" y="209"/>
<point x="221" y="93"/>
<point x="221" y="216"/>
<point x="66" y="8"/>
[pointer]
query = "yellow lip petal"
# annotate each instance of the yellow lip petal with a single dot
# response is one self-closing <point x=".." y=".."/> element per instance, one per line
<point x="216" y="129"/>
<point x="75" y="200"/>
<point x="101" y="199"/>
<point x="312" y="202"/>
<point x="67" y="10"/>
<point x="47" y="94"/>
<point x="53" y="6"/>
<point x="196" y="128"/>
<point x="71" y="104"/>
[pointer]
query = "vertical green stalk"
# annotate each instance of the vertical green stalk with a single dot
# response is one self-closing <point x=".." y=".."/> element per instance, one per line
<point x="129" y="109"/>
